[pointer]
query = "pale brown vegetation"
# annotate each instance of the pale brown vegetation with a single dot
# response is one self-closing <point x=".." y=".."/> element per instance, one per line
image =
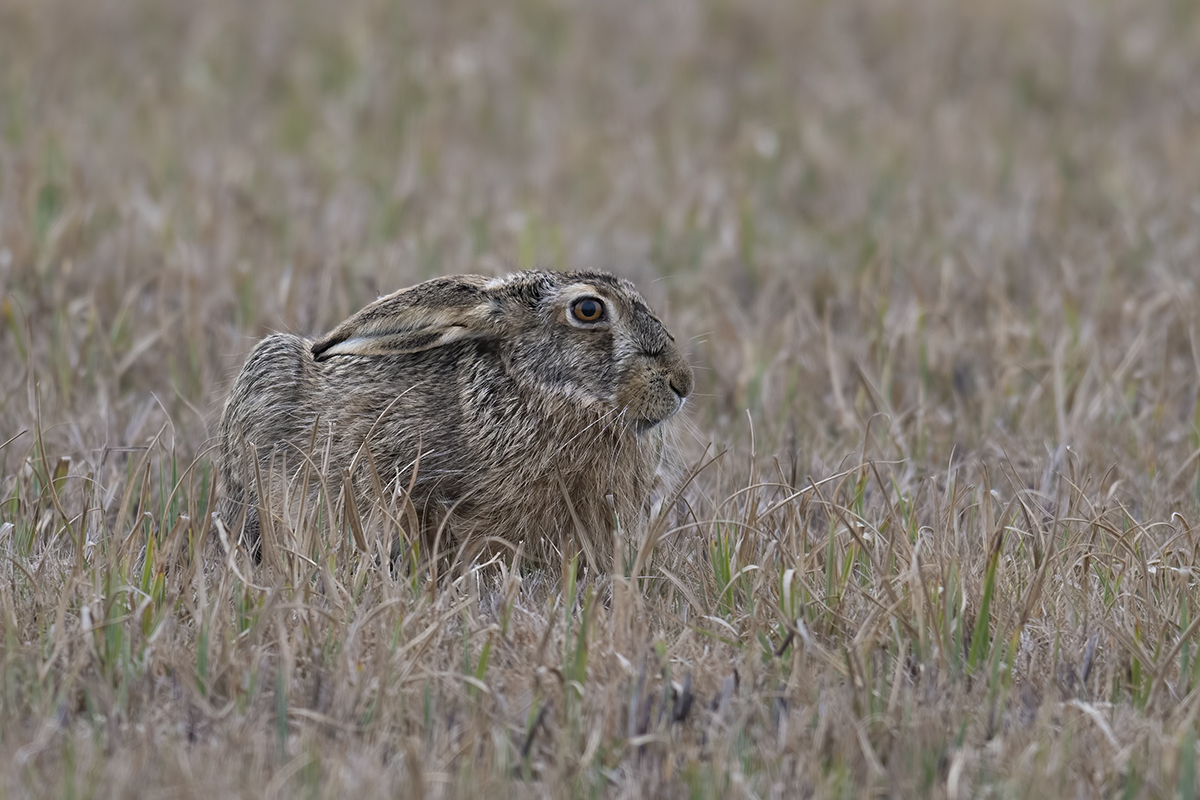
<point x="937" y="262"/>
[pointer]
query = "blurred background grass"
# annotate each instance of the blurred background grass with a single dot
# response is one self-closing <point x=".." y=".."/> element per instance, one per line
<point x="971" y="229"/>
<point x="939" y="194"/>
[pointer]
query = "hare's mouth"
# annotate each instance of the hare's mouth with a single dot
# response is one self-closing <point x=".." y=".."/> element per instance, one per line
<point x="648" y="424"/>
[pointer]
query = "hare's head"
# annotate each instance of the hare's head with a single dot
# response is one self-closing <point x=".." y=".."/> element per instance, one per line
<point x="583" y="339"/>
<point x="591" y="338"/>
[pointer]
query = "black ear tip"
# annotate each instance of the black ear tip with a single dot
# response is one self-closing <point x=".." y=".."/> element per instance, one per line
<point x="319" y="347"/>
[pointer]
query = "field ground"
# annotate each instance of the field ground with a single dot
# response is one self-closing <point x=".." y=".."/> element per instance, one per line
<point x="937" y="266"/>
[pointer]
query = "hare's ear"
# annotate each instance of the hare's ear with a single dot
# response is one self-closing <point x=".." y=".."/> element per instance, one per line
<point x="428" y="315"/>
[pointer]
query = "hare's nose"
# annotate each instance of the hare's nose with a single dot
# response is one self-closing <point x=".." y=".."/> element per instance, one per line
<point x="681" y="383"/>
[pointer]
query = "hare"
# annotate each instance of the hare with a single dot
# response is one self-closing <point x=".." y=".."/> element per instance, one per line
<point x="527" y="408"/>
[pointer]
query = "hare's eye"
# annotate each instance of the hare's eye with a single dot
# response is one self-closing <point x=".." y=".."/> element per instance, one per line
<point x="588" y="309"/>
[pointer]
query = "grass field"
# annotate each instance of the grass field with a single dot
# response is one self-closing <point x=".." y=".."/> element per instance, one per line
<point x="937" y="266"/>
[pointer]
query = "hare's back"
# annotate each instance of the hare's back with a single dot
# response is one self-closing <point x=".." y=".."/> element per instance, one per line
<point x="405" y="402"/>
<point x="271" y="398"/>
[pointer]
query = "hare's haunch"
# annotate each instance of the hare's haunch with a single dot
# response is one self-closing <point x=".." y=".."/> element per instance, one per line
<point x="524" y="408"/>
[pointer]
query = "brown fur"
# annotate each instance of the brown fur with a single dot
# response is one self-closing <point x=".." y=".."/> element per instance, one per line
<point x="512" y="402"/>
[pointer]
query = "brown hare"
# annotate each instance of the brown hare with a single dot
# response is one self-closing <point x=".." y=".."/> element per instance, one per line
<point x="530" y="408"/>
